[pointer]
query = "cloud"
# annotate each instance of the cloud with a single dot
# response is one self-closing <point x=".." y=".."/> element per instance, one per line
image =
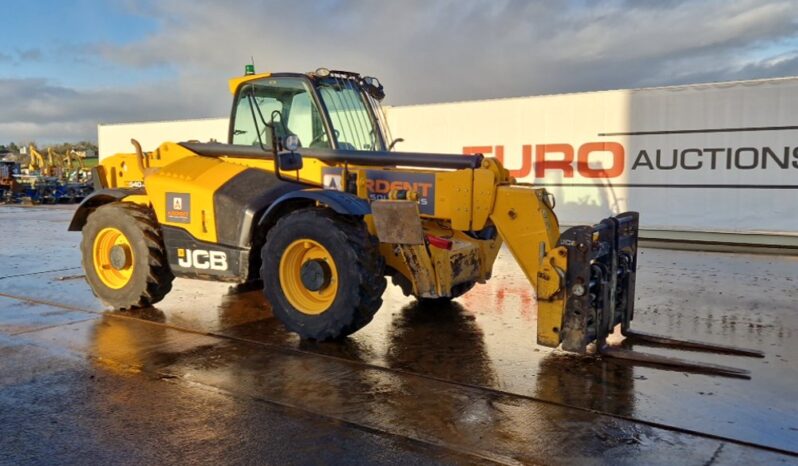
<point x="453" y="50"/>
<point x="19" y="56"/>
<point x="38" y="110"/>
<point x="426" y="51"/>
<point x="33" y="54"/>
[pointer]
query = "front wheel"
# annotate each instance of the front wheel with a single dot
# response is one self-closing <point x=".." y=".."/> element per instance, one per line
<point x="124" y="257"/>
<point x="322" y="273"/>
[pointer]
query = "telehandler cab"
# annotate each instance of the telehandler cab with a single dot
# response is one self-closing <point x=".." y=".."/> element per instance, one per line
<point x="308" y="196"/>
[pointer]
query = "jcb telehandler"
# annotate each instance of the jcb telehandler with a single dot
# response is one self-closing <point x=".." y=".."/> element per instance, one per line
<point x="308" y="196"/>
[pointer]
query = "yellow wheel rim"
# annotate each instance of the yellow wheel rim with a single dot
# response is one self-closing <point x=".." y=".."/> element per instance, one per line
<point x="113" y="258"/>
<point x="295" y="256"/>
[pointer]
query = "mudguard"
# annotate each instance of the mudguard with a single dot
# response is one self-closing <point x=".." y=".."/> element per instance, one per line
<point x="96" y="199"/>
<point x="341" y="202"/>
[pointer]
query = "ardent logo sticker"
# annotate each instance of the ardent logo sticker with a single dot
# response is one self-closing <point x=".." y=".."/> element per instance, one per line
<point x="380" y="183"/>
<point x="178" y="208"/>
<point x="202" y="259"/>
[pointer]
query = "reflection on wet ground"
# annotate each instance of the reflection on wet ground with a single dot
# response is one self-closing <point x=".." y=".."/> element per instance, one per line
<point x="466" y="376"/>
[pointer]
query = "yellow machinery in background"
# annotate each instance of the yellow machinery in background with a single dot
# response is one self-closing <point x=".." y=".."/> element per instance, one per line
<point x="55" y="165"/>
<point x="37" y="162"/>
<point x="74" y="166"/>
<point x="53" y="178"/>
<point x="309" y="197"/>
<point x="51" y="165"/>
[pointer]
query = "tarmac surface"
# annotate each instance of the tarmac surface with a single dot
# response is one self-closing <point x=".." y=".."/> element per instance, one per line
<point x="209" y="376"/>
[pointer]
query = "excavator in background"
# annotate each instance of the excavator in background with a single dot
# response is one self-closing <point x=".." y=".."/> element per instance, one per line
<point x="55" y="164"/>
<point x="308" y="197"/>
<point x="50" y="166"/>
<point x="37" y="163"/>
<point x="75" y="177"/>
<point x="66" y="166"/>
<point x="75" y="169"/>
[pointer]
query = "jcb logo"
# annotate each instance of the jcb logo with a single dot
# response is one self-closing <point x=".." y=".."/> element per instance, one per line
<point x="201" y="259"/>
<point x="560" y="157"/>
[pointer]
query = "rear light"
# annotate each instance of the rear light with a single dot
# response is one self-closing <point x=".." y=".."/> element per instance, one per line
<point x="438" y="242"/>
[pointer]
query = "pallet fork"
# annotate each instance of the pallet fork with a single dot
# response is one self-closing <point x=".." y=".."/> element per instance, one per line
<point x="599" y="288"/>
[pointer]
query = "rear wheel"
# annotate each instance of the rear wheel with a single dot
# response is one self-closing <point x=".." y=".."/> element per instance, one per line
<point x="322" y="273"/>
<point x="123" y="256"/>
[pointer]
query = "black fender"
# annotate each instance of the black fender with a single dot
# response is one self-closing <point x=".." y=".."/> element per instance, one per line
<point x="341" y="202"/>
<point x="96" y="199"/>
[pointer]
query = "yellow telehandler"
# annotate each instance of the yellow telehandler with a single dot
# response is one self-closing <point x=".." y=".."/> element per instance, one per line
<point x="308" y="196"/>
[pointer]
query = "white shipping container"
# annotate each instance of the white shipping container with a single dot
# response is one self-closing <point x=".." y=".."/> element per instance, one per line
<point x="719" y="158"/>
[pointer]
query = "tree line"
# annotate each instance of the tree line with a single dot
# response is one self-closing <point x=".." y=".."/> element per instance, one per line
<point x="60" y="148"/>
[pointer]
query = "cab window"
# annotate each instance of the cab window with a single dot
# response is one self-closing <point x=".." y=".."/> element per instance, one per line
<point x="285" y="101"/>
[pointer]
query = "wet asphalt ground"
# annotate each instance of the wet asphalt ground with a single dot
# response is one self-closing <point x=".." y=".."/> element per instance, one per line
<point x="209" y="376"/>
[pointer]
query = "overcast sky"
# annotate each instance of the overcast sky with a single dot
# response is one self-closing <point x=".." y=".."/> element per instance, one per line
<point x="66" y="66"/>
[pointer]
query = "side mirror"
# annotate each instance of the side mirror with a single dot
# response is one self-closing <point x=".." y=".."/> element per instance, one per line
<point x="289" y="161"/>
<point x="374" y="88"/>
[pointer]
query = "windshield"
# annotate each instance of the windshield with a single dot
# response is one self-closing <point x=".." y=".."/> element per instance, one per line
<point x="350" y="115"/>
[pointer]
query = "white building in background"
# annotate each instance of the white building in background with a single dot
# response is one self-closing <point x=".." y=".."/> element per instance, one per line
<point x="708" y="162"/>
<point x="115" y="138"/>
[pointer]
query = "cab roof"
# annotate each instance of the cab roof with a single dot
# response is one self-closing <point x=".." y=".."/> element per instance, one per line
<point x="235" y="83"/>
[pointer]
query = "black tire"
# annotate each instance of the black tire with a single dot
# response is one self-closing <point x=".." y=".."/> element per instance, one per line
<point x="407" y="289"/>
<point x="361" y="279"/>
<point x="151" y="278"/>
